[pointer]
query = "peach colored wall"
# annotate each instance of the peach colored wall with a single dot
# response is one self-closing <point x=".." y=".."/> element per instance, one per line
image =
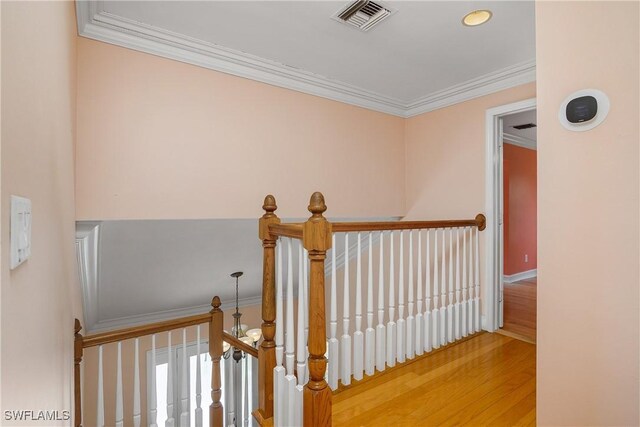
<point x="162" y="139"/>
<point x="520" y="208"/>
<point x="40" y="297"/>
<point x="445" y="155"/>
<point x="588" y="210"/>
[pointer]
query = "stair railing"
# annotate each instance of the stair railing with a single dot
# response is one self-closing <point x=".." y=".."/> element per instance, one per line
<point x="443" y="303"/>
<point x="176" y="416"/>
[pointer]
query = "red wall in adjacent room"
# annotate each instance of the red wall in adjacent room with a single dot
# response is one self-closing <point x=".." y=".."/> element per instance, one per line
<point x="520" y="208"/>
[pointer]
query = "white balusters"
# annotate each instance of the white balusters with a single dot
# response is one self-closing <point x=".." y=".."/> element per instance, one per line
<point x="476" y="302"/>
<point x="153" y="401"/>
<point x="401" y="330"/>
<point x="170" y="422"/>
<point x="100" y="394"/>
<point x="290" y="355"/>
<point x="245" y="390"/>
<point x="443" y="292"/>
<point x="410" y="318"/>
<point x="427" y="295"/>
<point x="358" y="337"/>
<point x="279" y="383"/>
<point x="184" y="386"/>
<point x="435" y="322"/>
<point x="305" y="291"/>
<point x="119" y="397"/>
<point x="463" y="305"/>
<point x="419" y="322"/>
<point x="198" y="411"/>
<point x="345" y="340"/>
<point x="470" y="316"/>
<point x="450" y="336"/>
<point x="333" y="371"/>
<point x="369" y="359"/>
<point x="456" y="307"/>
<point x="302" y="306"/>
<point x="391" y="325"/>
<point x="136" y="384"/>
<point x="380" y="329"/>
<point x="231" y="406"/>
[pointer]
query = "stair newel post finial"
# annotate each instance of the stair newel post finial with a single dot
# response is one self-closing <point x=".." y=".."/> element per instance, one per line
<point x="267" y="350"/>
<point x="216" y="412"/>
<point x="317" y="240"/>
<point x="77" y="359"/>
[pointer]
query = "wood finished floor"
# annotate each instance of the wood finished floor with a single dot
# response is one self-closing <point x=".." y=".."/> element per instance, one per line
<point x="520" y="308"/>
<point x="487" y="380"/>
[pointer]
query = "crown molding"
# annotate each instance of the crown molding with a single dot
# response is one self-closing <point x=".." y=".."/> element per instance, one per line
<point x="515" y="75"/>
<point x="97" y="24"/>
<point x="520" y="141"/>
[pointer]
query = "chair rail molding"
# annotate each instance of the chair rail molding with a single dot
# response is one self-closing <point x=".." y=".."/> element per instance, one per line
<point x="97" y="24"/>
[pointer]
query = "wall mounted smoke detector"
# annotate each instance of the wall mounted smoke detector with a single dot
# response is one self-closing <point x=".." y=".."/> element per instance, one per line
<point x="584" y="110"/>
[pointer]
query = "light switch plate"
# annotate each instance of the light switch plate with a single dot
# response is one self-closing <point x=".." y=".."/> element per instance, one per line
<point x="20" y="230"/>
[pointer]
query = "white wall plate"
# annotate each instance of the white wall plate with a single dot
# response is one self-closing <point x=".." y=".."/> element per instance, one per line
<point x="20" y="230"/>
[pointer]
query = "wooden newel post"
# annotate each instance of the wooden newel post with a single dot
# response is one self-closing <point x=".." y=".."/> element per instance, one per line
<point x="267" y="350"/>
<point x="317" y="240"/>
<point x="77" y="359"/>
<point x="216" y="412"/>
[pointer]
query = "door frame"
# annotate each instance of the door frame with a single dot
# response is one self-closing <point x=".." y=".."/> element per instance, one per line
<point x="494" y="234"/>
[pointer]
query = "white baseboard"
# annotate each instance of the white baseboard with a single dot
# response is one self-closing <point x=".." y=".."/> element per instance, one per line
<point x="520" y="276"/>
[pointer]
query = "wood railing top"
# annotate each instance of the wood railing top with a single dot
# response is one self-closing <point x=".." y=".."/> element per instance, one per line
<point x="294" y="229"/>
<point x="346" y="227"/>
<point x="143" y="330"/>
<point x="240" y="345"/>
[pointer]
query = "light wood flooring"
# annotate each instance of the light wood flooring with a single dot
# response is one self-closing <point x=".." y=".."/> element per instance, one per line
<point x="489" y="379"/>
<point x="520" y="308"/>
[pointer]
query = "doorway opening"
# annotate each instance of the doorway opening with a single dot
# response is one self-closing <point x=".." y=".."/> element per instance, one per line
<point x="519" y="213"/>
<point x="510" y="239"/>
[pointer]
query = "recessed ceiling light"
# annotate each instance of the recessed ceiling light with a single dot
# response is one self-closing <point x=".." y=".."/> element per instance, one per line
<point x="477" y="17"/>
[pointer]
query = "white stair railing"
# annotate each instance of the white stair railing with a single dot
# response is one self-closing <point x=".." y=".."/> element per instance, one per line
<point x="431" y="268"/>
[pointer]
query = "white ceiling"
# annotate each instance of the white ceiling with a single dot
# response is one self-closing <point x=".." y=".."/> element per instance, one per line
<point x="420" y="58"/>
<point x="519" y="119"/>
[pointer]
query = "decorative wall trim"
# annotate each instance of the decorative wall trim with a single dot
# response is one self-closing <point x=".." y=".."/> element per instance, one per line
<point x="523" y="275"/>
<point x="520" y="141"/>
<point x="496" y="81"/>
<point x="87" y="247"/>
<point x="95" y="23"/>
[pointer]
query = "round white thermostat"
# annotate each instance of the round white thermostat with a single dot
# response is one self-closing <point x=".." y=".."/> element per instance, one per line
<point x="583" y="110"/>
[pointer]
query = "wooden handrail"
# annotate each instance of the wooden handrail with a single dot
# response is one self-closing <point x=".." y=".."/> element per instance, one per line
<point x="347" y="227"/>
<point x="240" y="345"/>
<point x="142" y="330"/>
<point x="293" y="230"/>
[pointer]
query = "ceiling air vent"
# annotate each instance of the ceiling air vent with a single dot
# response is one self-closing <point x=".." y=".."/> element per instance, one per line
<point x="525" y="126"/>
<point x="363" y="14"/>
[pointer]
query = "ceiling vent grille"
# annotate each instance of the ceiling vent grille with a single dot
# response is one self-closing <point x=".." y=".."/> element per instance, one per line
<point x="525" y="126"/>
<point x="363" y="14"/>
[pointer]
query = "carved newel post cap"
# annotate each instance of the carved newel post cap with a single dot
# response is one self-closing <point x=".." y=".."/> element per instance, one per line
<point x="481" y="220"/>
<point x="77" y="327"/>
<point x="316" y="204"/>
<point x="215" y="302"/>
<point x="269" y="204"/>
